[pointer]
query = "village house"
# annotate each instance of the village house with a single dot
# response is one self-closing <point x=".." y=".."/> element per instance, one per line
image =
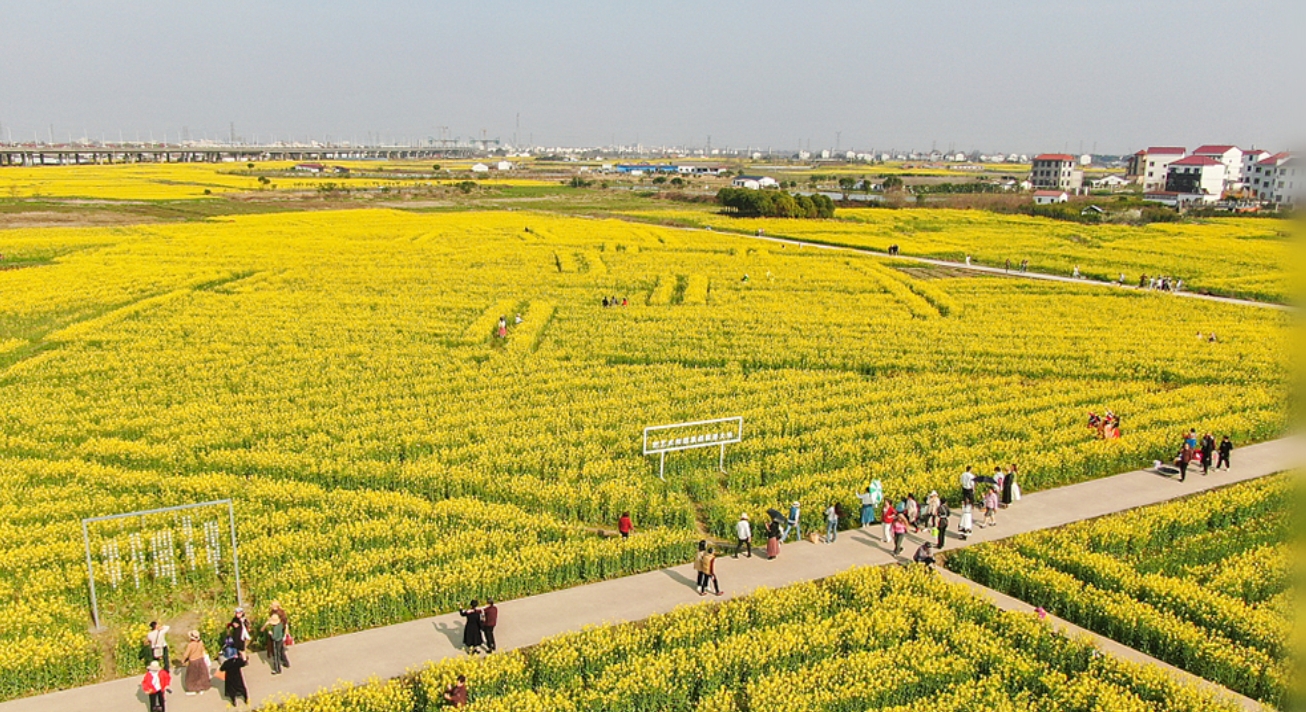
<point x="1196" y="179"/>
<point x="1149" y="167"/>
<point x="1059" y="171"/>
<point x="1048" y="197"/>
<point x="754" y="182"/>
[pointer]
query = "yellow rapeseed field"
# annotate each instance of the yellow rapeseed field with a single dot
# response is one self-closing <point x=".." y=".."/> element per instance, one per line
<point x="1242" y="257"/>
<point x="867" y="639"/>
<point x="179" y="181"/>
<point x="339" y="375"/>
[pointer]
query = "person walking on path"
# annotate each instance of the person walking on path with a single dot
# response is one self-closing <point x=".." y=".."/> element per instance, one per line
<point x="888" y="517"/>
<point x="932" y="502"/>
<point x="1185" y="456"/>
<point x="196" y="662"/>
<point x="772" y="539"/>
<point x="913" y="512"/>
<point x="924" y="555"/>
<point x="1008" y="485"/>
<point x="276" y="631"/>
<point x="941" y="523"/>
<point x="624" y="525"/>
<point x="232" y="671"/>
<point x="502" y="331"/>
<point x="238" y="629"/>
<point x="964" y="527"/>
<point x="832" y="522"/>
<point x="743" y="536"/>
<point x="1208" y="452"/>
<point x="991" y="508"/>
<point x="1226" y="447"/>
<point x="795" y="523"/>
<point x="700" y="567"/>
<point x="968" y="486"/>
<point x="456" y="694"/>
<point x="868" y="503"/>
<point x="473" y="638"/>
<point x="157" y="684"/>
<point x="489" y="619"/>
<point x="899" y="533"/>
<point x="157" y="640"/>
<point x="709" y="571"/>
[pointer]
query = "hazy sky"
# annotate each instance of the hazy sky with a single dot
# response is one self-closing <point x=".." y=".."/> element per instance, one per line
<point x="1013" y="76"/>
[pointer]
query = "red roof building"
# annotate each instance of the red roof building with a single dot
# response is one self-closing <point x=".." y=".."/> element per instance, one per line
<point x="1196" y="160"/>
<point x="1165" y="150"/>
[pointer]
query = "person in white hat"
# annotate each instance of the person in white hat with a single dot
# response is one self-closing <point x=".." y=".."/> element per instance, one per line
<point x="157" y="683"/>
<point x="744" y="536"/>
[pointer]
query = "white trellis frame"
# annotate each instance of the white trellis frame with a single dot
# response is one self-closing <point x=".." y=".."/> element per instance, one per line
<point x="90" y="566"/>
<point x="662" y="439"/>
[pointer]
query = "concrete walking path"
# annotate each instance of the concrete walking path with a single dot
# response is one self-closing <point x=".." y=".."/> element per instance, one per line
<point x="1106" y="645"/>
<point x="391" y="650"/>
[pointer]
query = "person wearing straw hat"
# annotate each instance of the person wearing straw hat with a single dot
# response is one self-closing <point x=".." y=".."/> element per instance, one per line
<point x="743" y="536"/>
<point x="156" y="684"/>
<point x="196" y="662"/>
<point x="276" y="630"/>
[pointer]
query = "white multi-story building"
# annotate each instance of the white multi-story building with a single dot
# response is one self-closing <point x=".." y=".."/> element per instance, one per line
<point x="1277" y="179"/>
<point x="1250" y="158"/>
<point x="1056" y="171"/>
<point x="1150" y="166"/>
<point x="1196" y="179"/>
<point x="1231" y="157"/>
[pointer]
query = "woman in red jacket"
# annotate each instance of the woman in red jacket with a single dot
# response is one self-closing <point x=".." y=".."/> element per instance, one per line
<point x="156" y="684"/>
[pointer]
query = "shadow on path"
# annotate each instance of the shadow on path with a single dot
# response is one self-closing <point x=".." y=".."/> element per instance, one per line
<point x="680" y="578"/>
<point x="453" y="633"/>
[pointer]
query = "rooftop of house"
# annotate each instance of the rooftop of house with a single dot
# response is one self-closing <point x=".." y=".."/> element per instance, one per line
<point x="1195" y="160"/>
<point x="1054" y="157"/>
<point x="1212" y="150"/>
<point x="1171" y="150"/>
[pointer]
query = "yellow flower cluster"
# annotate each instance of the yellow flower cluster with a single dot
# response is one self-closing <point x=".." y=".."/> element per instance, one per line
<point x="887" y="638"/>
<point x="1151" y="579"/>
<point x="335" y="374"/>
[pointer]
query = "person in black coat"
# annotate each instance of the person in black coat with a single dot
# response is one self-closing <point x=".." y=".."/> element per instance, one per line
<point x="1008" y="482"/>
<point x="234" y="677"/>
<point x="473" y="639"/>
<point x="941" y="523"/>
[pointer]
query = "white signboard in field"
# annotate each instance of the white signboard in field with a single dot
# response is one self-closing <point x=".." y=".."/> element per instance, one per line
<point x="718" y="432"/>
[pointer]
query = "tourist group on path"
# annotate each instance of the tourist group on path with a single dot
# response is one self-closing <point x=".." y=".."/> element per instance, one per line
<point x="233" y="657"/>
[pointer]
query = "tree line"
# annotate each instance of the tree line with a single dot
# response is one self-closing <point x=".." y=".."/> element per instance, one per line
<point x="746" y="202"/>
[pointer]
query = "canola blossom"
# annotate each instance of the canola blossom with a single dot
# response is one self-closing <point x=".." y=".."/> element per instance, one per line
<point x="340" y="376"/>
<point x="869" y="638"/>
<point x="1203" y="583"/>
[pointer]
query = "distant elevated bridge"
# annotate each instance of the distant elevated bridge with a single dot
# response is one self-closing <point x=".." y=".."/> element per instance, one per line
<point x="95" y="155"/>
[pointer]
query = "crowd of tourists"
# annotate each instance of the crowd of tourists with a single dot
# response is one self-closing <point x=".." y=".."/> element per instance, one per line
<point x="199" y="670"/>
